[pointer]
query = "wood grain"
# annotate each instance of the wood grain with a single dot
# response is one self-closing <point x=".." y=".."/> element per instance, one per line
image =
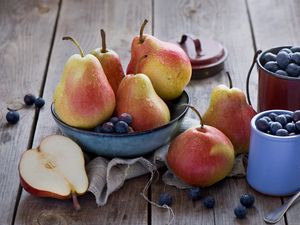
<point x="83" y="20"/>
<point x="23" y="58"/>
<point x="277" y="23"/>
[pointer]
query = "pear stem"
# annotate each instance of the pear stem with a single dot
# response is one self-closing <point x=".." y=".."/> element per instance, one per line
<point x="142" y="31"/>
<point x="76" y="204"/>
<point x="103" y="50"/>
<point x="229" y="78"/>
<point x="75" y="43"/>
<point x="197" y="112"/>
<point x="138" y="63"/>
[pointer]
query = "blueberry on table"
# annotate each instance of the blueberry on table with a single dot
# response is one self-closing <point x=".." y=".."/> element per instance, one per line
<point x="209" y="202"/>
<point x="39" y="102"/>
<point x="297" y="126"/>
<point x="121" y="127"/>
<point x="107" y="127"/>
<point x="12" y="117"/>
<point x="282" y="132"/>
<point x="283" y="59"/>
<point x="296" y="115"/>
<point x="281" y="72"/>
<point x="295" y="49"/>
<point x="290" y="127"/>
<point x="29" y="99"/>
<point x="295" y="57"/>
<point x="269" y="57"/>
<point x="114" y="119"/>
<point x="287" y="50"/>
<point x="194" y="193"/>
<point x="126" y="117"/>
<point x="274" y="126"/>
<point x="240" y="212"/>
<point x="272" y="115"/>
<point x="293" y="70"/>
<point x="271" y="66"/>
<point x="165" y="199"/>
<point x="262" y="124"/>
<point x="247" y="200"/>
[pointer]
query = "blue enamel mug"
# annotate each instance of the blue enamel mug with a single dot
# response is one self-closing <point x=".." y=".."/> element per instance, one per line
<point x="274" y="161"/>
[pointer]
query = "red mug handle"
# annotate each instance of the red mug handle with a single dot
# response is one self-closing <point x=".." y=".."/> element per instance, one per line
<point x="249" y="73"/>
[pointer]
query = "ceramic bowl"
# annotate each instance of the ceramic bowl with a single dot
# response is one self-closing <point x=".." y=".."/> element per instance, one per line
<point x="127" y="145"/>
<point x="274" y="161"/>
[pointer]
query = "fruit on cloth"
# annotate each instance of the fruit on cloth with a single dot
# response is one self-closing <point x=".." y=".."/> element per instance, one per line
<point x="54" y="169"/>
<point x="83" y="98"/>
<point x="137" y="97"/>
<point x="167" y="65"/>
<point x="110" y="62"/>
<point x="201" y="155"/>
<point x="229" y="112"/>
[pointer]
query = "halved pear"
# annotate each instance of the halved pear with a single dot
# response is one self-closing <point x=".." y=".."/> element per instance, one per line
<point x="54" y="169"/>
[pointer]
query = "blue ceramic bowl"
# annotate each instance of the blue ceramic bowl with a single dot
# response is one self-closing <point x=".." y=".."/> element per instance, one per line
<point x="131" y="144"/>
<point x="274" y="161"/>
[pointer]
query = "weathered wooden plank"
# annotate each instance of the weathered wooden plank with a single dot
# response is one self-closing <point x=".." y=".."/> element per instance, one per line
<point x="83" y="20"/>
<point x="227" y="22"/>
<point x="277" y="23"/>
<point x="25" y="40"/>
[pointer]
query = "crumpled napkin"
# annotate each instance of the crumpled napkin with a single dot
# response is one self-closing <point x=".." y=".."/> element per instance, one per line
<point x="108" y="175"/>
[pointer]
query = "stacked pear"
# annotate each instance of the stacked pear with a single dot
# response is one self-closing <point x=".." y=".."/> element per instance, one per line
<point x="229" y="112"/>
<point x="111" y="64"/>
<point x="167" y="65"/>
<point x="83" y="98"/>
<point x="137" y="97"/>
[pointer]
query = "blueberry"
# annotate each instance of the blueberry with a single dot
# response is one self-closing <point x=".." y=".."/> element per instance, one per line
<point x="240" y="212"/>
<point x="283" y="59"/>
<point x="29" y="99"/>
<point x="288" y="118"/>
<point x="287" y="50"/>
<point x="295" y="57"/>
<point x="12" y="117"/>
<point x="281" y="72"/>
<point x="269" y="57"/>
<point x="247" y="200"/>
<point x="282" y="132"/>
<point x="267" y="118"/>
<point x="274" y="126"/>
<point x="297" y="126"/>
<point x="293" y="70"/>
<point x="107" y="127"/>
<point x="273" y="116"/>
<point x="262" y="124"/>
<point x="295" y="49"/>
<point x="121" y="127"/>
<point x="296" y="115"/>
<point x="165" y="199"/>
<point x="114" y="119"/>
<point x="290" y="127"/>
<point x="194" y="193"/>
<point x="271" y="66"/>
<point x="209" y="202"/>
<point x="281" y="119"/>
<point x="39" y="102"/>
<point x="126" y="118"/>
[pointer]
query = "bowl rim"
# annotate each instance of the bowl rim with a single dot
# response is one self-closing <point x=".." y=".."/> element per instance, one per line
<point x="89" y="132"/>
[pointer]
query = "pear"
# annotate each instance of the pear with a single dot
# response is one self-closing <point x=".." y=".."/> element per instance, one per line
<point x="201" y="155"/>
<point x="229" y="111"/>
<point x="111" y="64"/>
<point x="167" y="65"/>
<point x="137" y="97"/>
<point x="83" y="98"/>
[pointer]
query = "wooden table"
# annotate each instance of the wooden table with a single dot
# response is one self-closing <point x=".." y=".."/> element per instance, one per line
<point x="32" y="56"/>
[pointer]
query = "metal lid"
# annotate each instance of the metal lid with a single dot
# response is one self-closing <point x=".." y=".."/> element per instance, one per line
<point x="207" y="56"/>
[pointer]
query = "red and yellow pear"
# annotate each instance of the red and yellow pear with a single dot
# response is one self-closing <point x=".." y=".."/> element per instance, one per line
<point x="83" y="98"/>
<point x="111" y="64"/>
<point x="167" y="65"/>
<point x="201" y="155"/>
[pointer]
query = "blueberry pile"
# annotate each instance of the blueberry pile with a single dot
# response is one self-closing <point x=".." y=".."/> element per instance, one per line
<point x="119" y="125"/>
<point x="247" y="201"/>
<point x="285" y="63"/>
<point x="280" y="124"/>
